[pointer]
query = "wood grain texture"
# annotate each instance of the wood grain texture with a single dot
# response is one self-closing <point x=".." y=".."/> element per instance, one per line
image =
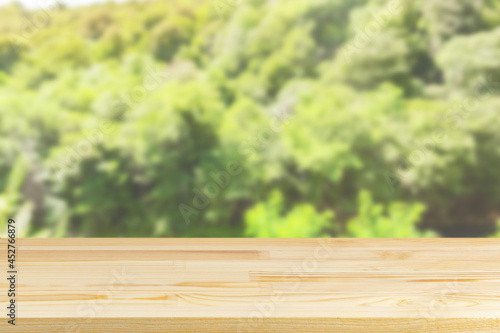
<point x="255" y="285"/>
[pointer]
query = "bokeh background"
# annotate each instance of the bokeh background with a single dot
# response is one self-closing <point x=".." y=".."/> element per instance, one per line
<point x="250" y="118"/>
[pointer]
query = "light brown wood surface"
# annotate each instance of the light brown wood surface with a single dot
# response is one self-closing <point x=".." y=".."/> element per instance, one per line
<point x="255" y="285"/>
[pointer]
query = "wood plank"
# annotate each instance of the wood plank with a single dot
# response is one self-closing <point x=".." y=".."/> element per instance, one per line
<point x="255" y="285"/>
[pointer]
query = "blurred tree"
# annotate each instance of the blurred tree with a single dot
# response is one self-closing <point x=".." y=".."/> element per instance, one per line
<point x="8" y="53"/>
<point x="127" y="119"/>
<point x="167" y="37"/>
<point x="396" y="221"/>
<point x="266" y="220"/>
<point x="471" y="62"/>
<point x="96" y="23"/>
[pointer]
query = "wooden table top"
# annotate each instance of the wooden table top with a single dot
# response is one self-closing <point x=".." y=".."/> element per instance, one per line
<point x="254" y="285"/>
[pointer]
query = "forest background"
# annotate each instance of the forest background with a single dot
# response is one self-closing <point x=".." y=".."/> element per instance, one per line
<point x="251" y="118"/>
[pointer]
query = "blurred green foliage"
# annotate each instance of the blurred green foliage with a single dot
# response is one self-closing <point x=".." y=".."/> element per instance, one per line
<point x="397" y="221"/>
<point x="301" y="220"/>
<point x="113" y="115"/>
